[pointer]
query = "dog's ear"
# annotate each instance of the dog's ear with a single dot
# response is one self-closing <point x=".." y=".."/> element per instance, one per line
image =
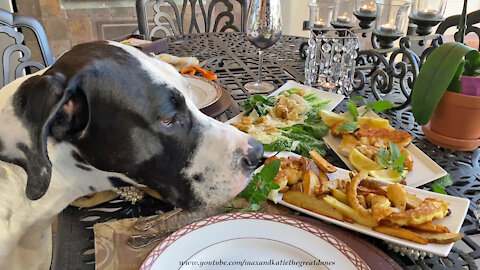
<point x="47" y="106"/>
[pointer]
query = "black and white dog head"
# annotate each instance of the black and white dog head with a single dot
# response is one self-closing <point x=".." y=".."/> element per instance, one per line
<point x="130" y="114"/>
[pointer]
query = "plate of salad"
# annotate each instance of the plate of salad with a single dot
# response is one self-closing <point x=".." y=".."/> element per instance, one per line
<point x="287" y="119"/>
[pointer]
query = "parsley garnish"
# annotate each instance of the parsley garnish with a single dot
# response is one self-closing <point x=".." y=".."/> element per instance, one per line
<point x="440" y="184"/>
<point x="260" y="185"/>
<point x="391" y="158"/>
<point x="379" y="106"/>
<point x="348" y="126"/>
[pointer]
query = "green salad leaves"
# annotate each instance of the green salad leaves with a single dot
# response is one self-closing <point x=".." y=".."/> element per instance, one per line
<point x="258" y="103"/>
<point x="299" y="138"/>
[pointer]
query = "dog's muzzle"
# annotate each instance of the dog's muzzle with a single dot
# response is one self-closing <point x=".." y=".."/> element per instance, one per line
<point x="254" y="154"/>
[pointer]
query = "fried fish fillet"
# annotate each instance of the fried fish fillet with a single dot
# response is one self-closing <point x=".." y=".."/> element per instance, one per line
<point x="380" y="137"/>
<point x="428" y="210"/>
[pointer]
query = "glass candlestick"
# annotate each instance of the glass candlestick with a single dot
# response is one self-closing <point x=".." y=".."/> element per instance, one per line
<point x="342" y="14"/>
<point x="366" y="12"/>
<point x="426" y="14"/>
<point x="320" y="15"/>
<point x="390" y="22"/>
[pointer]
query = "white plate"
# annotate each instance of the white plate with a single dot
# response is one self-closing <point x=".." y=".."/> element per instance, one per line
<point x="424" y="168"/>
<point x="335" y="99"/>
<point x="205" y="93"/>
<point x="458" y="207"/>
<point x="251" y="237"/>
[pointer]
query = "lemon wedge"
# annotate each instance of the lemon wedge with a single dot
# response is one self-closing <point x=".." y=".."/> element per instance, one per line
<point x="374" y="122"/>
<point x="388" y="175"/>
<point x="362" y="162"/>
<point x="330" y="118"/>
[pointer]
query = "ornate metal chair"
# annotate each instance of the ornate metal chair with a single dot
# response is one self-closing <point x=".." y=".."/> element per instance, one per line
<point x="209" y="18"/>
<point x="12" y="25"/>
<point x="473" y="18"/>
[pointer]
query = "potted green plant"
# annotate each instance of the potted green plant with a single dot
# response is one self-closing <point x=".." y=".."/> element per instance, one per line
<point x="446" y="94"/>
<point x="446" y="97"/>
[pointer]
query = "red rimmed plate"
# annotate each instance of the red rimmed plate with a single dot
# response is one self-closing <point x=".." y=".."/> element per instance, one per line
<point x="248" y="240"/>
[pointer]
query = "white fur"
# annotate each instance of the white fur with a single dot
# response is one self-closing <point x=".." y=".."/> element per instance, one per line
<point x="25" y="238"/>
<point x="16" y="131"/>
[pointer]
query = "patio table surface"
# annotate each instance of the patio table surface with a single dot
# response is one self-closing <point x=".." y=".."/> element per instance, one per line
<point x="235" y="61"/>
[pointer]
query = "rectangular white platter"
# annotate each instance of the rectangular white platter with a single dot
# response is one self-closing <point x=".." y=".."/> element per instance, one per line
<point x="458" y="207"/>
<point x="424" y="169"/>
<point x="335" y="99"/>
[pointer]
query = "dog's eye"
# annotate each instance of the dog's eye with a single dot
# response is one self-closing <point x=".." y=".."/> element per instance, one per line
<point x="167" y="122"/>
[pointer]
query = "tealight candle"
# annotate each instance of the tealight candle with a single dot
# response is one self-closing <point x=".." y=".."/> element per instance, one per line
<point x="343" y="19"/>
<point x="427" y="13"/>
<point x="327" y="85"/>
<point x="319" y="24"/>
<point x="387" y="28"/>
<point x="367" y="10"/>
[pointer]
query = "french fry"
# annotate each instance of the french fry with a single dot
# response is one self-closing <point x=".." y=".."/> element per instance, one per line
<point x="323" y="177"/>
<point x="342" y="197"/>
<point x="308" y="164"/>
<point x="361" y="200"/>
<point x="413" y="201"/>
<point x="319" y="206"/>
<point x="350" y="212"/>
<point x="440" y="238"/>
<point x="297" y="187"/>
<point x="310" y="180"/>
<point x="402" y="233"/>
<point x="430" y="227"/>
<point x="321" y="162"/>
<point x="397" y="195"/>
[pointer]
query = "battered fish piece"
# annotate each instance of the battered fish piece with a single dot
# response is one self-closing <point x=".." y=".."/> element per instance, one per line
<point x="336" y="133"/>
<point x="428" y="210"/>
<point x="408" y="159"/>
<point x="380" y="137"/>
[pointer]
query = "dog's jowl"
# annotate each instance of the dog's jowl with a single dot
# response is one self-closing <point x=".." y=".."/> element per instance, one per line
<point x="106" y="114"/>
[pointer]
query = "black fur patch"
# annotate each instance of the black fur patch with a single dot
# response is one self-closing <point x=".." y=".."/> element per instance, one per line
<point x="117" y="182"/>
<point x="83" y="167"/>
<point x="78" y="158"/>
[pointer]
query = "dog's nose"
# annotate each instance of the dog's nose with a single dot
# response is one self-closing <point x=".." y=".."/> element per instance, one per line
<point x="255" y="153"/>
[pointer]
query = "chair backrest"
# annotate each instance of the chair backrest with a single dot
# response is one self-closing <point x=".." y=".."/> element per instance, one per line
<point x="12" y="25"/>
<point x="170" y="20"/>
<point x="452" y="21"/>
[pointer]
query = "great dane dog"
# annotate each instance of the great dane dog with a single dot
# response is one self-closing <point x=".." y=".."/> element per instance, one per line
<point x="103" y="115"/>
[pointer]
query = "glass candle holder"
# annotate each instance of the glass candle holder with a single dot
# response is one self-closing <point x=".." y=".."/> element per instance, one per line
<point x="426" y="14"/>
<point x="366" y="12"/>
<point x="367" y="8"/>
<point x="320" y="15"/>
<point x="428" y="9"/>
<point x="343" y="14"/>
<point x="390" y="22"/>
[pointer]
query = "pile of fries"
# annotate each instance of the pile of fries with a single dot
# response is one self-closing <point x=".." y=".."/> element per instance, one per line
<point x="386" y="208"/>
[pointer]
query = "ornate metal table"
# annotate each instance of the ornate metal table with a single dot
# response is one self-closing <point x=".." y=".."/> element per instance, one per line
<point x="235" y="61"/>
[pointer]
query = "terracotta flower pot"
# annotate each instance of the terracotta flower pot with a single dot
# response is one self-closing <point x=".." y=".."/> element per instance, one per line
<point x="455" y="124"/>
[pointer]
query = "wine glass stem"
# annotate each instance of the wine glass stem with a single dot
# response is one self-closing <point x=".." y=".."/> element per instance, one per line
<point x="260" y="56"/>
